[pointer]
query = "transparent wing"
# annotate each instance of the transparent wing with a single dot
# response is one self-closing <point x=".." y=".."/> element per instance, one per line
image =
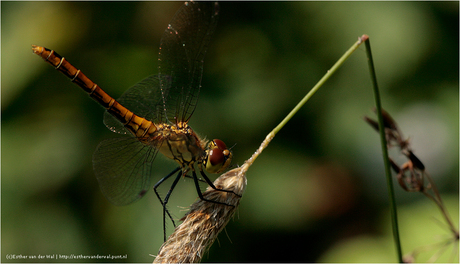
<point x="123" y="167"/>
<point x="144" y="99"/>
<point x="182" y="50"/>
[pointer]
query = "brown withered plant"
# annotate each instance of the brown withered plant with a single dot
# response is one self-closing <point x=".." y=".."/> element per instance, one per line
<point x="412" y="175"/>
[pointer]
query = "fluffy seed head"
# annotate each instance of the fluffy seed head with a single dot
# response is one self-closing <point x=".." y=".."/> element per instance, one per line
<point x="204" y="221"/>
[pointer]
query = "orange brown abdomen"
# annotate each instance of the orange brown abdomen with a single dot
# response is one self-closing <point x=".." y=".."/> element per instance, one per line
<point x="138" y="126"/>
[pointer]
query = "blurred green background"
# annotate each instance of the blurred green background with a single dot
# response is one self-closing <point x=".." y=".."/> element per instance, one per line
<point x="317" y="193"/>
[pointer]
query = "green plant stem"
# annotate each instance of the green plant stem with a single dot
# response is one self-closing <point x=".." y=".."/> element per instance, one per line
<point x="313" y="90"/>
<point x="318" y="85"/>
<point x="391" y="193"/>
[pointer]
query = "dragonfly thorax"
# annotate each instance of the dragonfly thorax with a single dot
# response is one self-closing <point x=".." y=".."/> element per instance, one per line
<point x="184" y="146"/>
<point x="180" y="144"/>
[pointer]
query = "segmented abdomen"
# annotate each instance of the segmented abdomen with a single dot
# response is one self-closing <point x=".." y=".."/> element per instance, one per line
<point x="138" y="126"/>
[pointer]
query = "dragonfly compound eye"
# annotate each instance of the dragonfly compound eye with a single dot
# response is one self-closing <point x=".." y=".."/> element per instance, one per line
<point x="219" y="157"/>
<point x="219" y="144"/>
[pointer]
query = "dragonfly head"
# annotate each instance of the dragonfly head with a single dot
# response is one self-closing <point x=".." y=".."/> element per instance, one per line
<point x="218" y="157"/>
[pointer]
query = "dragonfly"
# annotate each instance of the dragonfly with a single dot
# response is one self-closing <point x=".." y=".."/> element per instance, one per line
<point x="155" y="113"/>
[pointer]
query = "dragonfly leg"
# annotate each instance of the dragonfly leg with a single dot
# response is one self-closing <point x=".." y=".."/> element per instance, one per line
<point x="165" y="201"/>
<point x="191" y="177"/>
<point x="195" y="179"/>
<point x="209" y="182"/>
